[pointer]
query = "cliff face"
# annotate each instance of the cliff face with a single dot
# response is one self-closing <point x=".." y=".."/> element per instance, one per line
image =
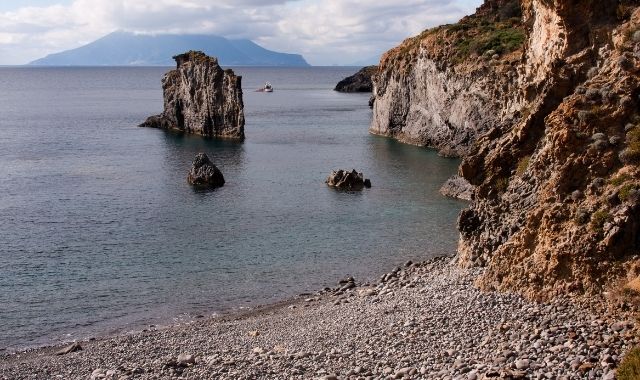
<point x="358" y="82"/>
<point x="553" y="150"/>
<point x="201" y="98"/>
<point x="450" y="84"/>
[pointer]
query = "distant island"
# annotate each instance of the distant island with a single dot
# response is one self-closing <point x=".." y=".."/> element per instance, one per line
<point x="129" y="49"/>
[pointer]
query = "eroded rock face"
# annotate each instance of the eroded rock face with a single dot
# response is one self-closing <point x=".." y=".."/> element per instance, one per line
<point x="204" y="174"/>
<point x="201" y="98"/>
<point x="550" y="216"/>
<point x="556" y="141"/>
<point x="347" y="180"/>
<point x="358" y="82"/>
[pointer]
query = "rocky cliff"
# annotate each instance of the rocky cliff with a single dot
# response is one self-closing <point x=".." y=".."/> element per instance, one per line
<point x="358" y="82"/>
<point x="541" y="98"/>
<point x="201" y="98"/>
<point x="447" y="86"/>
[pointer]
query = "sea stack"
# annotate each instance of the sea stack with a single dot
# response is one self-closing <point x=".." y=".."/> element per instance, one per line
<point x="201" y="98"/>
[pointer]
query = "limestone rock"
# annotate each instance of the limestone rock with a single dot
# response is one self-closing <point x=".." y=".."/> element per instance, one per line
<point x="201" y="98"/>
<point x="430" y="92"/>
<point x="347" y="180"/>
<point x="204" y="174"/>
<point x="358" y="82"/>
<point x="457" y="187"/>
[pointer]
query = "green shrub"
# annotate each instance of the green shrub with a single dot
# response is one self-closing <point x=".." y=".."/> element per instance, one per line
<point x="625" y="191"/>
<point x="619" y="180"/>
<point x="598" y="219"/>
<point x="503" y="41"/>
<point x="502" y="184"/>
<point x="461" y="26"/>
<point x="497" y="37"/>
<point x="629" y="369"/>
<point x="523" y="164"/>
<point x="631" y="154"/>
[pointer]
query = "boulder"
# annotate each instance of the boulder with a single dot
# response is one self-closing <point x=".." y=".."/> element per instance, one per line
<point x="69" y="349"/>
<point x="347" y="180"/>
<point x="457" y="187"/>
<point x="201" y="98"/>
<point x="184" y="360"/>
<point x="358" y="82"/>
<point x="204" y="174"/>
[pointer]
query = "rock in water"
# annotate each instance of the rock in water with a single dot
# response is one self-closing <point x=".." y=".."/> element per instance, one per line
<point x="457" y="187"/>
<point x="358" y="82"/>
<point x="204" y="174"/>
<point x="347" y="180"/>
<point x="201" y="98"/>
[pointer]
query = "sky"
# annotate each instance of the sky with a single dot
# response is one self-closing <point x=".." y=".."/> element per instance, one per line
<point x="325" y="32"/>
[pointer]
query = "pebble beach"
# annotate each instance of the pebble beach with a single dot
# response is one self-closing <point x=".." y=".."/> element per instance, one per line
<point x="420" y="321"/>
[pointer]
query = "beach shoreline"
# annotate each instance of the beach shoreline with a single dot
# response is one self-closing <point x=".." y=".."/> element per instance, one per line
<point x="423" y="320"/>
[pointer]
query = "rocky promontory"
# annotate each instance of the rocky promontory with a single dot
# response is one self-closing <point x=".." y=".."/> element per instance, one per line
<point x="359" y="82"/>
<point x="541" y="99"/>
<point x="201" y="98"/>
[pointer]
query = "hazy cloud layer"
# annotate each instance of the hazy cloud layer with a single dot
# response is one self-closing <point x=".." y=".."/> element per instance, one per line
<point x="324" y="31"/>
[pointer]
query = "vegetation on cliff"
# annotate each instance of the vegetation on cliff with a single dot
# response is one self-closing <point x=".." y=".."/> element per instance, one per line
<point x="567" y="221"/>
<point x="488" y="32"/>
<point x="630" y="367"/>
<point x="545" y="98"/>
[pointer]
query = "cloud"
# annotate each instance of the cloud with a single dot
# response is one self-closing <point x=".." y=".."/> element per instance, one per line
<point x="324" y="31"/>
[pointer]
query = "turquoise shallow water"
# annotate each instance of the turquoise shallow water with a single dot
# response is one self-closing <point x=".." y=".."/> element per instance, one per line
<point x="100" y="232"/>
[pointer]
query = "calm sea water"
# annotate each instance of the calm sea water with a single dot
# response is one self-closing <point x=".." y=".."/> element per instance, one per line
<point x="99" y="231"/>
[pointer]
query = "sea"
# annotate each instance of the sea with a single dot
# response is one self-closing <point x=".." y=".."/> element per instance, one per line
<point x="101" y="234"/>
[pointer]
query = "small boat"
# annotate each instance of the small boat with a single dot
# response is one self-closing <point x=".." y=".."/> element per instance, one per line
<point x="267" y="88"/>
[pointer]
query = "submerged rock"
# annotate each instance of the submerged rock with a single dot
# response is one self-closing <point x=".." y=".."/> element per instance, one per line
<point x="358" y="82"/>
<point x="204" y="174"/>
<point x="457" y="187"/>
<point x="347" y="180"/>
<point x="201" y="98"/>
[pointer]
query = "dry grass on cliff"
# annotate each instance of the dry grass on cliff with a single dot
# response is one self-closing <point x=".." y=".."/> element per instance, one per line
<point x="632" y="152"/>
<point x="495" y="33"/>
<point x="523" y="164"/>
<point x="629" y="369"/>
